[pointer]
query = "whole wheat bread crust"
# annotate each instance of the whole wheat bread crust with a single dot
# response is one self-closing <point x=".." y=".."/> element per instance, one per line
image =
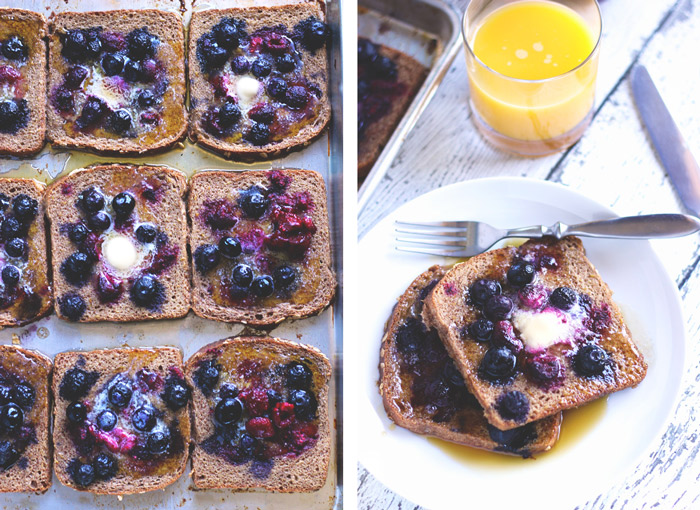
<point x="215" y="184"/>
<point x="30" y="139"/>
<point x="168" y="26"/>
<point x="305" y="473"/>
<point x="200" y="90"/>
<point x="110" y="362"/>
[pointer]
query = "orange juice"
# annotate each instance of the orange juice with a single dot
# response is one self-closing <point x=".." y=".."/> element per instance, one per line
<point x="533" y="77"/>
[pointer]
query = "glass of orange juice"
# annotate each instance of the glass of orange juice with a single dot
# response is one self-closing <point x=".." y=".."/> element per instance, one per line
<point x="532" y="67"/>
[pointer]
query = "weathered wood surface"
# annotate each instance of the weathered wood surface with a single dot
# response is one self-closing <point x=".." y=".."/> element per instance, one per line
<point x="615" y="164"/>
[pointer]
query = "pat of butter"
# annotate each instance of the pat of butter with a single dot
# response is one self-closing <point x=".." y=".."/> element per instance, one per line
<point x="120" y="252"/>
<point x="247" y="88"/>
<point x="539" y="330"/>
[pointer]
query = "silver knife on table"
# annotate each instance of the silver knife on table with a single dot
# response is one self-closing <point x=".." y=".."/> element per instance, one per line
<point x="668" y="141"/>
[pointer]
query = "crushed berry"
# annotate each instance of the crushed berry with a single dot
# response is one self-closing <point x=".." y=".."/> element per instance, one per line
<point x="260" y="427"/>
<point x="219" y="214"/>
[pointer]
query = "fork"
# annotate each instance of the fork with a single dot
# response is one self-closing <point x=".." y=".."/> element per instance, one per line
<point x="469" y="238"/>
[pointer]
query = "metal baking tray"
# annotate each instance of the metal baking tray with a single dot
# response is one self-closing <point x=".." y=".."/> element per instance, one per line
<point x="50" y="335"/>
<point x="427" y="30"/>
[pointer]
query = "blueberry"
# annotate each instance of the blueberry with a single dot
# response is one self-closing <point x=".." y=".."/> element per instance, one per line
<point x="8" y="454"/>
<point x="240" y="65"/>
<point x="11" y="417"/>
<point x="544" y="369"/>
<point x="228" y="411"/>
<point x="226" y="34"/>
<point x="313" y="33"/>
<point x="133" y="71"/>
<point x="176" y="393"/>
<point x="248" y="445"/>
<point x="242" y="275"/>
<point x="520" y="273"/>
<point x="452" y="375"/>
<point x="254" y="202"/>
<point x="284" y="276"/>
<point x="119" y="394"/>
<point x="107" y="420"/>
<point x="285" y="63"/>
<point x="211" y="56"/>
<point x="119" y="121"/>
<point x="591" y="360"/>
<point x="14" y="115"/>
<point x="497" y="365"/>
<point x="123" y="204"/>
<point x="410" y="335"/>
<point x="230" y="247"/>
<point x="481" y="330"/>
<point x="16" y="248"/>
<point x="146" y="233"/>
<point x="262" y="66"/>
<point x="277" y="87"/>
<point x="93" y="48"/>
<point x="143" y="419"/>
<point x="63" y="100"/>
<point x="72" y="307"/>
<point x="258" y="134"/>
<point x="78" y="233"/>
<point x="112" y="64"/>
<point x="10" y="275"/>
<point x="23" y="395"/>
<point x="25" y="208"/>
<point x="92" y="113"/>
<point x="229" y="114"/>
<point x="513" y="440"/>
<point x="498" y="308"/>
<point x="563" y="298"/>
<point x="83" y="474"/>
<point x="305" y="404"/>
<point x="206" y="257"/>
<point x="513" y="405"/>
<point x="299" y="376"/>
<point x="141" y="44"/>
<point x="76" y="412"/>
<point x="481" y="290"/>
<point x="273" y="398"/>
<point x="14" y="49"/>
<point x="262" y="286"/>
<point x="91" y="200"/>
<point x="363" y="88"/>
<point x="11" y="228"/>
<point x="366" y="50"/>
<point x="105" y="466"/>
<point x="207" y="375"/>
<point x="228" y="390"/>
<point x="4" y="395"/>
<point x="296" y="97"/>
<point x="74" y="45"/>
<point x="384" y="67"/>
<point x="146" y="291"/>
<point x="4" y="201"/>
<point x="158" y="442"/>
<point x="146" y="99"/>
<point x="99" y="222"/>
<point x="263" y="113"/>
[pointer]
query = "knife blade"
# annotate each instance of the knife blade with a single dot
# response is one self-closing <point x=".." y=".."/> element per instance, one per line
<point x="675" y="155"/>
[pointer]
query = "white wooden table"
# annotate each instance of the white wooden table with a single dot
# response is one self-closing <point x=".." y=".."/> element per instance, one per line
<point x="614" y="164"/>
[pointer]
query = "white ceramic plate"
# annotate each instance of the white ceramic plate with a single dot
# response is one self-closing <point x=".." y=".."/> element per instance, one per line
<point x="633" y="419"/>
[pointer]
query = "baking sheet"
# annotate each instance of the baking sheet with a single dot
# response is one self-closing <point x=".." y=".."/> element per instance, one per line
<point x="51" y="335"/>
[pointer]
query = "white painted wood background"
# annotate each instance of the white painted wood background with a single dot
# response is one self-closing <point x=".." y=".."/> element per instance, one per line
<point x="614" y="164"/>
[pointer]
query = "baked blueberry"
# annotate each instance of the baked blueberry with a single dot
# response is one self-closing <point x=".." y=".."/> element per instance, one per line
<point x="273" y="398"/>
<point x="176" y="393"/>
<point x="120" y="121"/>
<point x="74" y="45"/>
<point x="74" y="76"/>
<point x="410" y="335"/>
<point x="14" y="115"/>
<point x="513" y="405"/>
<point x="146" y="233"/>
<point x="242" y="275"/>
<point x="229" y="247"/>
<point x="284" y="276"/>
<point x="285" y="63"/>
<point x="123" y="204"/>
<point x="262" y="66"/>
<point x="91" y="200"/>
<point x="226" y="33"/>
<point x="146" y="99"/>
<point x="4" y="201"/>
<point x="591" y="360"/>
<point x="229" y="114"/>
<point x="513" y="440"/>
<point x="254" y="202"/>
<point x="563" y="298"/>
<point x="366" y="50"/>
<point x="299" y="376"/>
<point x="497" y="365"/>
<point x="8" y="454"/>
<point x="452" y="375"/>
<point x="158" y="442"/>
<point x="481" y="330"/>
<point x="248" y="445"/>
<point x="206" y="376"/>
<point x="119" y="394"/>
<point x="544" y="369"/>
<point x="146" y="291"/>
<point x="520" y="273"/>
<point x="296" y="97"/>
<point x="99" y="222"/>
<point x="72" y="307"/>
<point x="228" y="411"/>
<point x="313" y="33"/>
<point x="206" y="257"/>
<point x="11" y="417"/>
<point x="83" y="474"/>
<point x="262" y="286"/>
<point x="105" y="466"/>
<point x="77" y="233"/>
<point x="23" y="395"/>
<point x="228" y="390"/>
<point x="240" y="65"/>
<point x="481" y="290"/>
<point x="14" y="49"/>
<point x="106" y="420"/>
<point x="17" y="248"/>
<point x="10" y="275"/>
<point x="62" y="99"/>
<point x="133" y="71"/>
<point x="262" y="112"/>
<point x="11" y="228"/>
<point x="112" y="64"/>
<point x="305" y="404"/>
<point x="93" y="46"/>
<point x="498" y="308"/>
<point x="25" y="208"/>
<point x="76" y="412"/>
<point x="211" y="56"/>
<point x="4" y="395"/>
<point x="258" y="134"/>
<point x="144" y="419"/>
<point x="141" y="44"/>
<point x="92" y="113"/>
<point x="384" y="67"/>
<point x="277" y="87"/>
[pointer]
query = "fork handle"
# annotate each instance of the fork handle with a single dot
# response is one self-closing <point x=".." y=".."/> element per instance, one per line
<point x="629" y="227"/>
